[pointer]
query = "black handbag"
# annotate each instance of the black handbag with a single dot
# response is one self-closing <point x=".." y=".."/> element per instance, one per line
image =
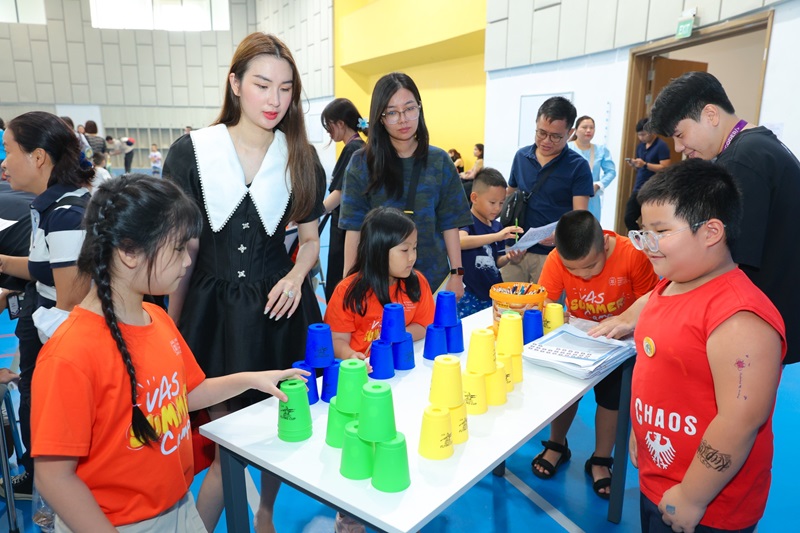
<point x="515" y="205"/>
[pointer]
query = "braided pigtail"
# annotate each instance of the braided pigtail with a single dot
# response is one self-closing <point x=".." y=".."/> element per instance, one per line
<point x="136" y="214"/>
<point x="101" y="276"/>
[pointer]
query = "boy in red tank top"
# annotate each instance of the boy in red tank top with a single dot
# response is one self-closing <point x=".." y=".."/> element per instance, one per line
<point x="709" y="350"/>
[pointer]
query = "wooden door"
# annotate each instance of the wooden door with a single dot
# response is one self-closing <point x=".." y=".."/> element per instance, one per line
<point x="662" y="71"/>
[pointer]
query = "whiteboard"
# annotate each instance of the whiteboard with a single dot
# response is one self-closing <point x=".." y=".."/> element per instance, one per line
<point x="529" y="105"/>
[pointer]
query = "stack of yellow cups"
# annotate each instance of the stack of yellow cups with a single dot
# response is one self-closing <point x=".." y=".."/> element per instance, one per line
<point x="446" y="396"/>
<point x="485" y="379"/>
<point x="509" y="347"/>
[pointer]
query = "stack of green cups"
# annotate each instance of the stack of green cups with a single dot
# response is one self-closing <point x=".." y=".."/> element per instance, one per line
<point x="337" y="420"/>
<point x="294" y="415"/>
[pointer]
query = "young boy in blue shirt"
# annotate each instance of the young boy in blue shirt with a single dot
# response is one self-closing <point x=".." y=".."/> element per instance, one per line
<point x="482" y="242"/>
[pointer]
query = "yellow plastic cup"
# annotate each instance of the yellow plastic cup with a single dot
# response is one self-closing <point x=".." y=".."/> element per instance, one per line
<point x="509" y="334"/>
<point x="553" y="317"/>
<point x="516" y="368"/>
<point x="474" y="392"/>
<point x="458" y="421"/>
<point x="507" y="368"/>
<point x="496" y="386"/>
<point x="481" y="357"/>
<point x="436" y="437"/>
<point x="446" y="390"/>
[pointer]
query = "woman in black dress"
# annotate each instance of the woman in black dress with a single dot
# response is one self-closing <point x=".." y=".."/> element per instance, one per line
<point x="343" y="122"/>
<point x="243" y="305"/>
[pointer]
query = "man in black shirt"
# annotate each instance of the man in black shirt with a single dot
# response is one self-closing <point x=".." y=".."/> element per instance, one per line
<point x="697" y="113"/>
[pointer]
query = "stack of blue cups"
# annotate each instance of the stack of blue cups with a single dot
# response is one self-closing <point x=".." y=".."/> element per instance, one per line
<point x="395" y="348"/>
<point x="532" y="327"/>
<point x="319" y="355"/>
<point x="445" y="335"/>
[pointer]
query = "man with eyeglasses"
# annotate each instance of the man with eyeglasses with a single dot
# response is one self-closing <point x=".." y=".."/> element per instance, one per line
<point x="695" y="110"/>
<point x="564" y="176"/>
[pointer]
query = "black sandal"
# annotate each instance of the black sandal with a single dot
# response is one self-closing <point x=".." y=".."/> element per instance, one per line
<point x="549" y="468"/>
<point x="601" y="483"/>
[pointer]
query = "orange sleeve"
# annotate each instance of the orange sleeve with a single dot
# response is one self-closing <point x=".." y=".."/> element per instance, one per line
<point x="552" y="276"/>
<point x="423" y="315"/>
<point x="61" y="416"/>
<point x="340" y="320"/>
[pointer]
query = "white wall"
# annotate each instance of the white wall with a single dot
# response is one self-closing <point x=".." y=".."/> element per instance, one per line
<point x="779" y="107"/>
<point x="598" y="83"/>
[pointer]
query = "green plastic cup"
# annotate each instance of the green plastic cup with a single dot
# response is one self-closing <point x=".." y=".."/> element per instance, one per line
<point x="337" y="420"/>
<point x="352" y="376"/>
<point x="376" y="419"/>
<point x="294" y="415"/>
<point x="391" y="465"/>
<point x="358" y="455"/>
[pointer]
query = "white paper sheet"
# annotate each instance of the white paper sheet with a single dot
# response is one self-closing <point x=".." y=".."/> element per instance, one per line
<point x="533" y="236"/>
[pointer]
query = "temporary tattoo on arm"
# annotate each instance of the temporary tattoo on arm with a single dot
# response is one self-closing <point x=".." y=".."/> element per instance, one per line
<point x="670" y="509"/>
<point x="713" y="458"/>
<point x="741" y="364"/>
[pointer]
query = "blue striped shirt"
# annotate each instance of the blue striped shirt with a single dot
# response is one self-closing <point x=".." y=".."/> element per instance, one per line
<point x="56" y="237"/>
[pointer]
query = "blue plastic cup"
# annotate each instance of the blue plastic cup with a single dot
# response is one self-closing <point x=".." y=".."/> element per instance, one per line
<point x="313" y="393"/>
<point x="319" y="346"/>
<point x="330" y="381"/>
<point x="403" y="353"/>
<point x="393" y="324"/>
<point x="445" y="314"/>
<point x="381" y="359"/>
<point x="532" y="327"/>
<point x="455" y="338"/>
<point x="435" y="342"/>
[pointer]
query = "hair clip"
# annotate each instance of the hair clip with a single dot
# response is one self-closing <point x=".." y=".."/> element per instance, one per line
<point x="362" y="124"/>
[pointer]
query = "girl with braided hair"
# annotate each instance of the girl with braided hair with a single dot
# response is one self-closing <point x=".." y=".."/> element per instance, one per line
<point x="115" y="384"/>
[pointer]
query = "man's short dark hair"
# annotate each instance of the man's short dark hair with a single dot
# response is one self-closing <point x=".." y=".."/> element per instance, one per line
<point x="698" y="190"/>
<point x="488" y="177"/>
<point x="642" y="125"/>
<point x="558" y="108"/>
<point x="685" y="97"/>
<point x="578" y="233"/>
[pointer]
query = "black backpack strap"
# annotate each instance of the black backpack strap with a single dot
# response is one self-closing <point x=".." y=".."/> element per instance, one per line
<point x="543" y="175"/>
<point x="412" y="188"/>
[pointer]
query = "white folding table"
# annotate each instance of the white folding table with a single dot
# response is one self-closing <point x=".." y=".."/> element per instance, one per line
<point x="249" y="436"/>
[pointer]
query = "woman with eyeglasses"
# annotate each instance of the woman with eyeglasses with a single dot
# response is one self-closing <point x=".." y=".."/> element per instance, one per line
<point x="399" y="168"/>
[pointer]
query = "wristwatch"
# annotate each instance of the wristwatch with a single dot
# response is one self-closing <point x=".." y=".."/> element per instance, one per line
<point x="459" y="271"/>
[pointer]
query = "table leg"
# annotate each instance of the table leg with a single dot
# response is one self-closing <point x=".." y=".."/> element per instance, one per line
<point x="235" y="492"/>
<point x="500" y="470"/>
<point x="621" y="445"/>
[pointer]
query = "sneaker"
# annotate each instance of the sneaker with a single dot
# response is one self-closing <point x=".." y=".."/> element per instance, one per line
<point x="347" y="524"/>
<point x="22" y="485"/>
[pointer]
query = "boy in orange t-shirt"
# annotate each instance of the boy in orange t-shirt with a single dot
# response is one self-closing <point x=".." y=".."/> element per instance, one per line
<point x="601" y="274"/>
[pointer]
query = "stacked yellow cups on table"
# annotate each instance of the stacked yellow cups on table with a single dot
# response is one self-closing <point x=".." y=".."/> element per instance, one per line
<point x="444" y="422"/>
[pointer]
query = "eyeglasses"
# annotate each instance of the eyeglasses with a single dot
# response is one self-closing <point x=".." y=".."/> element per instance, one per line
<point x="554" y="137"/>
<point x="410" y="113"/>
<point x="649" y="239"/>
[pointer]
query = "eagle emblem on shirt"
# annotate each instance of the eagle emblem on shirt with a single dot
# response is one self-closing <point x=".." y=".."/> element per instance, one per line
<point x="660" y="448"/>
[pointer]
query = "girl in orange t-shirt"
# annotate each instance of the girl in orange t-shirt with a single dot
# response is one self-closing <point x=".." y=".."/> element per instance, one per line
<point x="383" y="273"/>
<point x="114" y="385"/>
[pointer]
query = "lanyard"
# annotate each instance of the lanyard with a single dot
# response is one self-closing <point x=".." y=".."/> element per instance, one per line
<point x="734" y="132"/>
<point x="353" y="138"/>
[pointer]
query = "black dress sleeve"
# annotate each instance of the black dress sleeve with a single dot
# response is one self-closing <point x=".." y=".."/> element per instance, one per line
<point x="180" y="166"/>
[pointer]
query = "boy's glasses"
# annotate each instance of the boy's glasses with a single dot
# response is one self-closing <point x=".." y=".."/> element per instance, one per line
<point x="649" y="239"/>
<point x="393" y="117"/>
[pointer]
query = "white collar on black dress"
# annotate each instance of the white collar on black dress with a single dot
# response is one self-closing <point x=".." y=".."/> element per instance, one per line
<point x="222" y="178"/>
